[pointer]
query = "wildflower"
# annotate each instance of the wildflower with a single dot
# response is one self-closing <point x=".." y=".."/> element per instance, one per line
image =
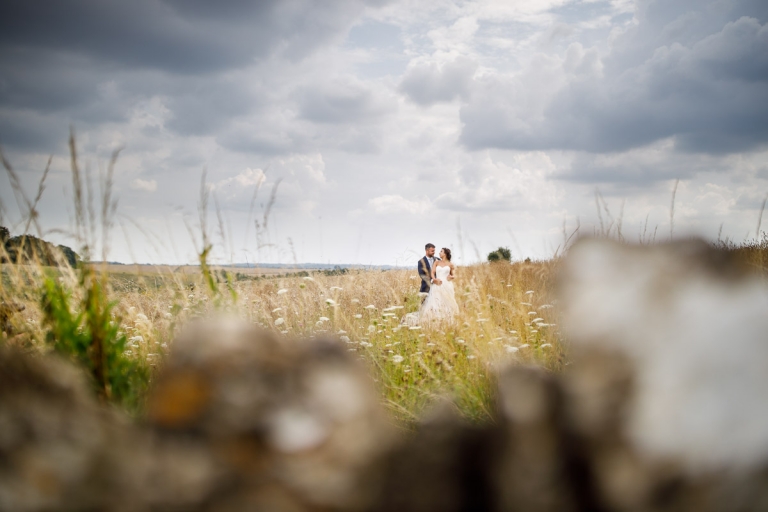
<point x="281" y="291"/>
<point x="341" y="331"/>
<point x="356" y="301"/>
<point x="512" y="331"/>
<point x="471" y="357"/>
<point x="414" y="327"/>
<point x="142" y="317"/>
<point x="167" y="315"/>
<point x="323" y="319"/>
<point x="307" y="278"/>
<point x="276" y="310"/>
<point x="532" y="313"/>
<point x="128" y="352"/>
<point x="371" y="329"/>
<point x="284" y="332"/>
<point x="546" y="306"/>
<point x="164" y="345"/>
<point x="509" y="286"/>
<point x="460" y="341"/>
<point x="526" y="304"/>
<point x="525" y="345"/>
<point x="481" y="320"/>
<point x="370" y="306"/>
<point x="358" y="316"/>
<point x="529" y="292"/>
<point x="345" y="339"/>
<point x="430" y="344"/>
<point x="136" y="339"/>
<point x="330" y="302"/>
<point x="392" y="308"/>
<point x="336" y="288"/>
<point x="546" y="345"/>
<point x="365" y="344"/>
<point x="540" y="324"/>
<point x="510" y="349"/>
<point x="534" y="330"/>
<point x="537" y="319"/>
<point x="279" y="321"/>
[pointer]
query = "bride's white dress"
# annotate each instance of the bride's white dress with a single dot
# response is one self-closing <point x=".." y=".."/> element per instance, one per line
<point x="440" y="304"/>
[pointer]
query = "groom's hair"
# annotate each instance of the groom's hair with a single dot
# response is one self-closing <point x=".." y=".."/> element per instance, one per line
<point x="428" y="246"/>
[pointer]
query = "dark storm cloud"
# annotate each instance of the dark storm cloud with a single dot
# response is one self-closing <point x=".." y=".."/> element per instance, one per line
<point x="693" y="71"/>
<point x="86" y="62"/>
<point x="178" y="36"/>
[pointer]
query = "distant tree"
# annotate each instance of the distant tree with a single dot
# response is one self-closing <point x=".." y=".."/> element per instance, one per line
<point x="4" y="234"/>
<point x="500" y="254"/>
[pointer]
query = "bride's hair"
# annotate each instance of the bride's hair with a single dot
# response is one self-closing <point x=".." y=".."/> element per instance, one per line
<point x="447" y="253"/>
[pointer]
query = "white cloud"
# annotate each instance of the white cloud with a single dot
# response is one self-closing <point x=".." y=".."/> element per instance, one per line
<point x="395" y="203"/>
<point x="146" y="185"/>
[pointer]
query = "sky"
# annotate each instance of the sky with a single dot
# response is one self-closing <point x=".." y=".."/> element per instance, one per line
<point x="357" y="131"/>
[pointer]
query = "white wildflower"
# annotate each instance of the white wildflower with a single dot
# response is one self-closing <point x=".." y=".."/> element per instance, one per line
<point x="529" y="292"/>
<point x="510" y="349"/>
<point x="370" y="306"/>
<point x="336" y="288"/>
<point x="371" y="329"/>
<point x="136" y="339"/>
<point x="471" y="357"/>
<point x="345" y="339"/>
<point x="460" y="341"/>
<point x="397" y="359"/>
<point x="356" y="301"/>
<point x="537" y="319"/>
<point x="323" y="319"/>
<point x="307" y="278"/>
<point x="276" y="310"/>
<point x="546" y="345"/>
<point x="330" y="302"/>
<point x="281" y="291"/>
<point x="546" y="306"/>
<point x="414" y="327"/>
<point x="358" y="315"/>
<point x="430" y="344"/>
<point x="279" y="321"/>
<point x="365" y="344"/>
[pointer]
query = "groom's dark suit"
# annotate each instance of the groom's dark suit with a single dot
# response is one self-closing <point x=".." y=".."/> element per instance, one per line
<point x="425" y="272"/>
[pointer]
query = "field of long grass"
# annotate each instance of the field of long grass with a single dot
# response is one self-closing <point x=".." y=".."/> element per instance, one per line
<point x="507" y="316"/>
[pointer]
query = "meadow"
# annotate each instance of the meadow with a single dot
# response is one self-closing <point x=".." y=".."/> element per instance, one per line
<point x="507" y="316"/>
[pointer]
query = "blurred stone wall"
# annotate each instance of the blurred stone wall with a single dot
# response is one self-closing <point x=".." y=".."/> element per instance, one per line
<point x="662" y="409"/>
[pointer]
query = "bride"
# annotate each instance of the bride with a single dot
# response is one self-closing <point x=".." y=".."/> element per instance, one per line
<point x="440" y="304"/>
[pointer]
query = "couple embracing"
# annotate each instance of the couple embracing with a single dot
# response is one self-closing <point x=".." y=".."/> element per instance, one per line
<point x="437" y="274"/>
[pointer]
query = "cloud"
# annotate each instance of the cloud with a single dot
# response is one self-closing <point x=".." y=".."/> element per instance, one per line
<point x="178" y="36"/>
<point x="487" y="185"/>
<point x="427" y="83"/>
<point x="340" y="103"/>
<point x="395" y="203"/>
<point x="146" y="185"/>
<point x="707" y="89"/>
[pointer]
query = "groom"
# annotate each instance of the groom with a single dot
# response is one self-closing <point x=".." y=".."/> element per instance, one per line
<point x="425" y="268"/>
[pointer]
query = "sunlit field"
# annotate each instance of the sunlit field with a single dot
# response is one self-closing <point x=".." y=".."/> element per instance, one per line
<point x="507" y="316"/>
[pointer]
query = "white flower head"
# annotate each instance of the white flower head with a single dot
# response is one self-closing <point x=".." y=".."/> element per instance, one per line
<point x="371" y="328"/>
<point x="281" y="291"/>
<point x="279" y="321"/>
<point x="276" y="310"/>
<point x="358" y="315"/>
<point x="397" y="359"/>
<point x="370" y="306"/>
<point x="323" y="319"/>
